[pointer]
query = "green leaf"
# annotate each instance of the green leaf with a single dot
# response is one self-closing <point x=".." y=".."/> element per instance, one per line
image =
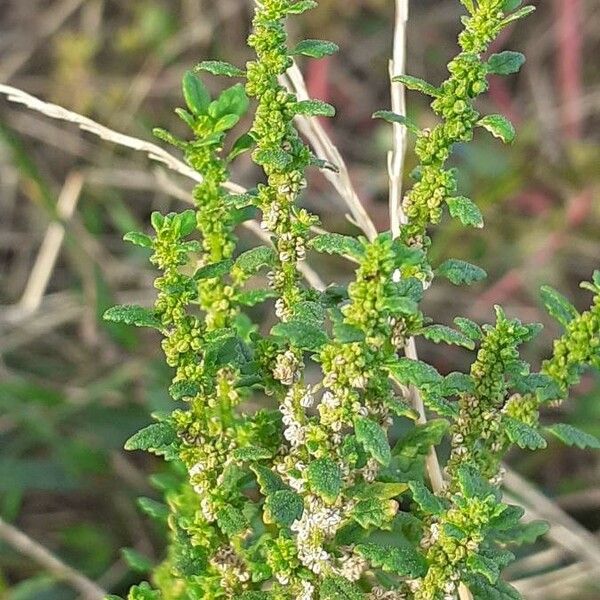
<point x="301" y="6"/>
<point x="268" y="481"/>
<point x="473" y="485"/>
<point x="499" y="126"/>
<point x="374" y="512"/>
<point x="558" y="306"/>
<point x="254" y="260"/>
<point x="154" y="509"/>
<point x="219" y="67"/>
<point x="510" y="5"/>
<point x="418" y="85"/>
<point x="466" y="211"/>
<point x="275" y="158"/>
<point x="377" y="489"/>
<point x="313" y="108"/>
<point x="520" y="14"/>
<point x="483" y="590"/>
<point x="522" y="434"/>
<point x="413" y="372"/>
<point x="505" y="63"/>
<point x="233" y="101"/>
<point x="231" y="520"/>
<point x="131" y="314"/>
<point x="252" y="453"/>
<point x="469" y="5"/>
<point x="401" y="305"/>
<point x="254" y="297"/>
<point x="136" y="561"/>
<point x="460" y="272"/>
<point x="143" y="591"/>
<point x="427" y="501"/>
<point x="403" y="560"/>
<point x="301" y="334"/>
<point x="241" y="145"/>
<point x="186" y="222"/>
<point x="392" y="117"/>
<point x="335" y="243"/>
<point x="183" y="389"/>
<point x="214" y="270"/>
<point x="324" y="478"/>
<point x="335" y="587"/>
<point x="484" y="566"/>
<point x="469" y="328"/>
<point x="283" y="507"/>
<point x="226" y="122"/>
<point x="153" y="437"/>
<point x="420" y="438"/>
<point x="441" y="333"/>
<point x="571" y="436"/>
<point x="195" y="93"/>
<point x="315" y="48"/>
<point x="374" y="439"/>
<point x="139" y="239"/>
<point x="523" y="534"/>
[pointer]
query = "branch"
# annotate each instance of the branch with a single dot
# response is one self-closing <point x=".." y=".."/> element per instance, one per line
<point x="28" y="547"/>
<point x="153" y="151"/>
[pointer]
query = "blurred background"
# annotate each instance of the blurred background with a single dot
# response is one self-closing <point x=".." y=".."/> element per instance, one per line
<point x="73" y="388"/>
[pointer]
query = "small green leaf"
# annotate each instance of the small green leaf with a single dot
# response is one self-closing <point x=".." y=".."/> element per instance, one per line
<point x="499" y="126"/>
<point x="522" y="434"/>
<point x="466" y="211"/>
<point x="336" y="587"/>
<point x="219" y="67"/>
<point x="277" y="158"/>
<point x="315" y="48"/>
<point x="154" y="509"/>
<point x="413" y="372"/>
<point x="418" y="85"/>
<point x="195" y="93"/>
<point x="558" y="306"/>
<point x="482" y="589"/>
<point x="522" y="534"/>
<point x="484" y="566"/>
<point x="404" y="560"/>
<point x="131" y="314"/>
<point x="301" y="334"/>
<point x="252" y="453"/>
<point x="441" y="333"/>
<point x="183" y="389"/>
<point x="571" y="436"/>
<point x="427" y="501"/>
<point x="214" y="270"/>
<point x="233" y="101"/>
<point x="153" y="437"/>
<point x="469" y="328"/>
<point x="231" y="520"/>
<point x="139" y="239"/>
<point x="313" y="108"/>
<point x="244" y="143"/>
<point x="377" y="489"/>
<point x="510" y="5"/>
<point x="473" y="485"/>
<point x="283" y="507"/>
<point x="301" y="6"/>
<point x="324" y="477"/>
<point x="335" y="243"/>
<point x="268" y="481"/>
<point x="226" y="122"/>
<point x="520" y="14"/>
<point x="254" y="297"/>
<point x="374" y="439"/>
<point x="136" y="561"/>
<point x="460" y="272"/>
<point x="392" y="117"/>
<point x="421" y="437"/>
<point x="374" y="512"/>
<point x="252" y="261"/>
<point x="505" y="63"/>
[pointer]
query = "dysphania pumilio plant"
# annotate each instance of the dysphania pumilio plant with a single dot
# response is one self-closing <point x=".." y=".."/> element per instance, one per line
<point x="308" y="500"/>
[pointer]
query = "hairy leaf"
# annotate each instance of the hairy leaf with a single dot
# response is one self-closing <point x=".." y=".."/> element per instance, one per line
<point x="219" y="67"/>
<point x="315" y="48"/>
<point x="131" y="314"/>
<point x="324" y="477"/>
<point x="394" y="118"/>
<point x="283" y="507"/>
<point x="460" y="272"/>
<point x="153" y="438"/>
<point x="557" y="305"/>
<point x="313" y="108"/>
<point x="416" y="84"/>
<point x="571" y="436"/>
<point x="499" y="126"/>
<point x="335" y="243"/>
<point x="404" y="560"/>
<point x="139" y="239"/>
<point x="523" y="435"/>
<point x="441" y="333"/>
<point x="505" y="63"/>
<point x="374" y="439"/>
<point x="466" y="211"/>
<point x="336" y="587"/>
<point x="413" y="372"/>
<point x="429" y="503"/>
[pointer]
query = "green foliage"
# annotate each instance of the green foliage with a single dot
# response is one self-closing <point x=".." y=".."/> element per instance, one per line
<point x="303" y="501"/>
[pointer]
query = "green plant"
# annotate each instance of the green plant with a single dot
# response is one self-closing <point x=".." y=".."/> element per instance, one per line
<point x="308" y="500"/>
